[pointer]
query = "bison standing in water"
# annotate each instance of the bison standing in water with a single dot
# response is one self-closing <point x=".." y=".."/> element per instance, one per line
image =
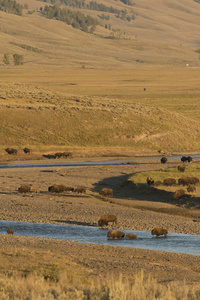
<point x="10" y="231"/>
<point x="163" y="160"/>
<point x="115" y="234"/>
<point x="105" y="219"/>
<point x="131" y="236"/>
<point x="106" y="192"/>
<point x="159" y="231"/>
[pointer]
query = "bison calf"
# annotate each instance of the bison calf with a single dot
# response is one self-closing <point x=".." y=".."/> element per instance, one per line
<point x="80" y="190"/>
<point x="159" y="231"/>
<point x="105" y="219"/>
<point x="115" y="234"/>
<point x="106" y="192"/>
<point x="191" y="188"/>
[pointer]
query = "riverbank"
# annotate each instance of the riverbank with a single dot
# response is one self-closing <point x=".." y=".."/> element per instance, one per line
<point x="95" y="261"/>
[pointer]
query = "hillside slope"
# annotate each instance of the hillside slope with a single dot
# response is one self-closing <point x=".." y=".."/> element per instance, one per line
<point x="163" y="32"/>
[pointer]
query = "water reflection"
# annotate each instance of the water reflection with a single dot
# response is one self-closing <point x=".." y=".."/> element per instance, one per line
<point x="175" y="242"/>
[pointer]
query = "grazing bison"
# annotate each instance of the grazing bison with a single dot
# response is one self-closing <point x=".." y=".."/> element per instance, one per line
<point x="80" y="190"/>
<point x="191" y="188"/>
<point x="131" y="236"/>
<point x="11" y="151"/>
<point x="49" y="156"/>
<point x="115" y="234"/>
<point x="181" y="168"/>
<point x="157" y="183"/>
<point x="150" y="181"/>
<point x="163" y="160"/>
<point x="10" y="231"/>
<point x="105" y="219"/>
<point x="27" y="150"/>
<point x="169" y="181"/>
<point x="178" y="194"/>
<point x="57" y="188"/>
<point x="24" y="188"/>
<point x="183" y="181"/>
<point x="106" y="192"/>
<point x="193" y="180"/>
<point x="159" y="231"/>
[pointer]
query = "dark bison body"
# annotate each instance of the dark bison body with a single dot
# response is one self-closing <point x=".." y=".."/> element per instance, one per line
<point x="188" y="180"/>
<point x="11" y="151"/>
<point x="169" y="181"/>
<point x="25" y="188"/>
<point x="105" y="219"/>
<point x="59" y="188"/>
<point x="181" y="168"/>
<point x="80" y="190"/>
<point x="163" y="160"/>
<point x="106" y="192"/>
<point x="150" y="181"/>
<point x="157" y="183"/>
<point x="131" y="236"/>
<point x="178" y="194"/>
<point x="27" y="150"/>
<point x="186" y="158"/>
<point x="115" y="234"/>
<point x="10" y="231"/>
<point x="159" y="231"/>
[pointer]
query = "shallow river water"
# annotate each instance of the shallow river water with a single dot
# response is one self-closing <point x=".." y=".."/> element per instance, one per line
<point x="175" y="242"/>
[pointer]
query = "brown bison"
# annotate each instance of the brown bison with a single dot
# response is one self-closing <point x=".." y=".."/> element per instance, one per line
<point x="11" y="151"/>
<point x="131" y="236"/>
<point x="106" y="192"/>
<point x="80" y="190"/>
<point x="191" y="188"/>
<point x="115" y="234"/>
<point x="24" y="188"/>
<point x="10" y="231"/>
<point x="157" y="183"/>
<point x="193" y="180"/>
<point x="169" y="181"/>
<point x="181" y="168"/>
<point x="62" y="154"/>
<point x="163" y="160"/>
<point x="178" y="194"/>
<point x="57" y="188"/>
<point x="183" y="181"/>
<point x="150" y="181"/>
<point x="27" y="150"/>
<point x="159" y="231"/>
<point x="105" y="219"/>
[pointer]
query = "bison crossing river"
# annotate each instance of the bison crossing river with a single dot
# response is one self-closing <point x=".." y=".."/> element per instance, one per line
<point x="175" y="242"/>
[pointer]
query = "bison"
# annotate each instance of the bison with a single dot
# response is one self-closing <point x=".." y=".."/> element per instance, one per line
<point x="157" y="183"/>
<point x="24" y="188"/>
<point x="159" y="231"/>
<point x="105" y="219"/>
<point x="150" y="181"/>
<point x="131" y="236"/>
<point x="115" y="234"/>
<point x="193" y="180"/>
<point x="80" y="190"/>
<point x="186" y="158"/>
<point x="11" y="151"/>
<point x="183" y="181"/>
<point x="191" y="188"/>
<point x="178" y="194"/>
<point x="10" y="231"/>
<point x="181" y="168"/>
<point x="163" y="160"/>
<point x="27" y="150"/>
<point x="62" y="154"/>
<point x="57" y="188"/>
<point x="169" y="181"/>
<point x="106" y="192"/>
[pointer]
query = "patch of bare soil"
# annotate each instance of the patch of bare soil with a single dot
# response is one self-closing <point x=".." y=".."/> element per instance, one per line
<point x="85" y="209"/>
